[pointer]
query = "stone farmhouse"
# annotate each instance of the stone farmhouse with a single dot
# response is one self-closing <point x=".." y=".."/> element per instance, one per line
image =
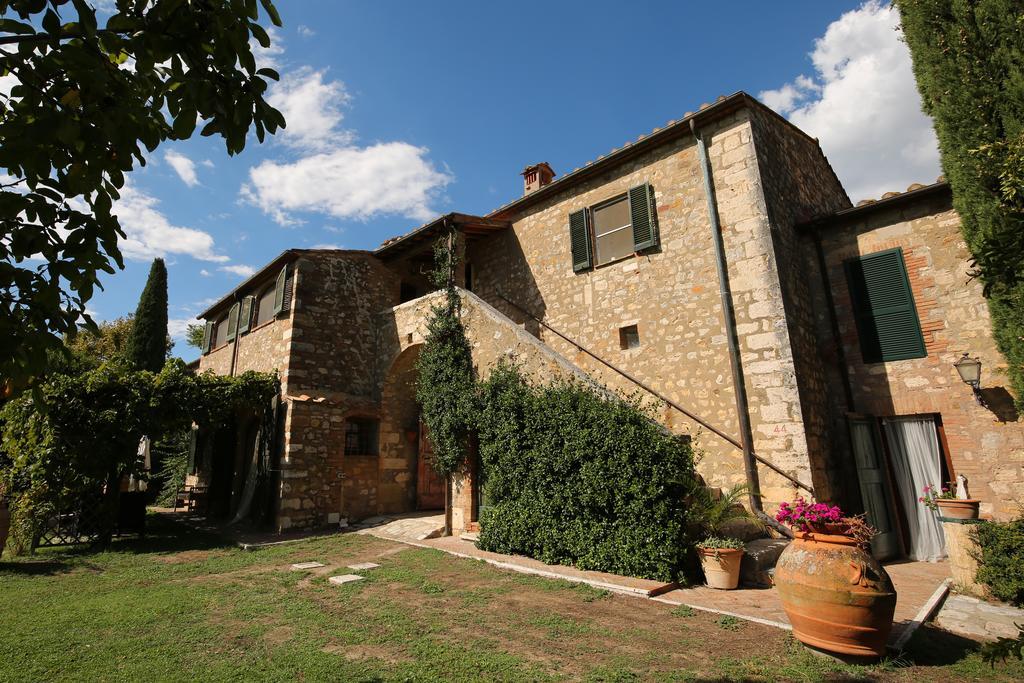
<point x="804" y="344"/>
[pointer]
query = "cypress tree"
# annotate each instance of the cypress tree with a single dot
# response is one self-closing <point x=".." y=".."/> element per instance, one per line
<point x="147" y="346"/>
<point x="968" y="58"/>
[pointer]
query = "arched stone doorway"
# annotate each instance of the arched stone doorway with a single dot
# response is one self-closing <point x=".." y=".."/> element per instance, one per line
<point x="407" y="481"/>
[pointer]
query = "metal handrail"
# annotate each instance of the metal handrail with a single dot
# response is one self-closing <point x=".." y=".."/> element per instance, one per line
<point x="661" y="397"/>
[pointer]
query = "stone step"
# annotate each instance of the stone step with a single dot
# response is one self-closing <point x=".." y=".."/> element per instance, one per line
<point x="758" y="566"/>
<point x="471" y="536"/>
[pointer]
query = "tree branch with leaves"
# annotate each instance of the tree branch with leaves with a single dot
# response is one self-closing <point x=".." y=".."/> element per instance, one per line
<point x="89" y="104"/>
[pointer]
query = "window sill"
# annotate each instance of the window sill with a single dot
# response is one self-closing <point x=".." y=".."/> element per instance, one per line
<point x="617" y="260"/>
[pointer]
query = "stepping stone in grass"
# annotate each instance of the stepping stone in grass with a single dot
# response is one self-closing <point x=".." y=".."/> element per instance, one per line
<point x="363" y="565"/>
<point x="300" y="566"/>
<point x="344" y="578"/>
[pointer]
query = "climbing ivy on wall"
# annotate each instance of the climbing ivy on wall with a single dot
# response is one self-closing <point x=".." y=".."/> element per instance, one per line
<point x="573" y="476"/>
<point x="446" y="384"/>
<point x="578" y="478"/>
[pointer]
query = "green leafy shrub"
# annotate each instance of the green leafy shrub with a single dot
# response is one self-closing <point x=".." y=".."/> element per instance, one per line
<point x="1001" y="563"/>
<point x="76" y="435"/>
<point x="578" y="478"/>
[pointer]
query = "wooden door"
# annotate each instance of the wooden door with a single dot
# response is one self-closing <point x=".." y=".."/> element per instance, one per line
<point x="429" y="484"/>
<point x="874" y="487"/>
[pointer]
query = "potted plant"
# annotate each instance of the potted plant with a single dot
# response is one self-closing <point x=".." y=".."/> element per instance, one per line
<point x="716" y="514"/>
<point x="837" y="596"/>
<point x="946" y="503"/>
<point x="720" y="559"/>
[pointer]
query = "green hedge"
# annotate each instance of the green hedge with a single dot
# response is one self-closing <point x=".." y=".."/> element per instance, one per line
<point x="576" y="478"/>
<point x="1002" y="559"/>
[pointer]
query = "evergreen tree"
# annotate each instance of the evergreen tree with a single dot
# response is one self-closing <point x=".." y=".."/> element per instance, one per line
<point x="968" y="58"/>
<point x="147" y="347"/>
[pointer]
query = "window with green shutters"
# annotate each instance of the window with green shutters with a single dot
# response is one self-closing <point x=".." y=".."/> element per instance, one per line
<point x="613" y="229"/>
<point x="233" y="321"/>
<point x="245" y="314"/>
<point x="888" y="327"/>
<point x="208" y="337"/>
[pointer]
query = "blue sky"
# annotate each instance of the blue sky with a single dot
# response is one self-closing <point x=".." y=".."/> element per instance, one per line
<point x="399" y="111"/>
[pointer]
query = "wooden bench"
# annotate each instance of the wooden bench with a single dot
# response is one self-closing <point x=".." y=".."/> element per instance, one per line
<point x="192" y="498"/>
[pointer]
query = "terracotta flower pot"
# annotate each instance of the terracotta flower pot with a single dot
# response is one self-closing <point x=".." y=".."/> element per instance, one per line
<point x="837" y="597"/>
<point x="954" y="508"/>
<point x="721" y="567"/>
<point x="5" y="525"/>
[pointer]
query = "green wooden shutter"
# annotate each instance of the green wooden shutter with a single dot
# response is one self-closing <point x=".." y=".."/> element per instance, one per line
<point x="233" y="321"/>
<point x="579" y="240"/>
<point x="883" y="306"/>
<point x="642" y="213"/>
<point x="245" y="314"/>
<point x="208" y="337"/>
<point x="279" y="291"/>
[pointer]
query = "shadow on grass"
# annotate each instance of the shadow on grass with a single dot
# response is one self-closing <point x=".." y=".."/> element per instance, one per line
<point x="932" y="646"/>
<point x="162" y="536"/>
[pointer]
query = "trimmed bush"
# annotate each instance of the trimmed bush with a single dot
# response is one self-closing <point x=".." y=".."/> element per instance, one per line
<point x="1002" y="559"/>
<point x="576" y="478"/>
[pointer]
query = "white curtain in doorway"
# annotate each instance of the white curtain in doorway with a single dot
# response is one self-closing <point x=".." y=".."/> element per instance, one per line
<point x="914" y="445"/>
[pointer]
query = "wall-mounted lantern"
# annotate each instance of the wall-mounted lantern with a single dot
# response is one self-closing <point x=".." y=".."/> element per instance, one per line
<point x="969" y="370"/>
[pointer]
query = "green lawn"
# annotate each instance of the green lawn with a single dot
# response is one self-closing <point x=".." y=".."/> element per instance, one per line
<point x="181" y="606"/>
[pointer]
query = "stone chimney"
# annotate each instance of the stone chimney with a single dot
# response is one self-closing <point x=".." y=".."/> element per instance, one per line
<point x="536" y="177"/>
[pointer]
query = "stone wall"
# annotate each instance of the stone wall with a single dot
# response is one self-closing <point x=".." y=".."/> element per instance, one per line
<point x="797" y="184"/>
<point x="672" y="295"/>
<point x="987" y="446"/>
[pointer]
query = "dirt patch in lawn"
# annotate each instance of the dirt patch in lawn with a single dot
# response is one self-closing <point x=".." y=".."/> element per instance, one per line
<point x="356" y="653"/>
<point x="186" y="557"/>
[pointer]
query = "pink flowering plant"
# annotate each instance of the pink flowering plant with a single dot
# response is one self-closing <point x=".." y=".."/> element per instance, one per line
<point x="804" y="516"/>
<point x="931" y="495"/>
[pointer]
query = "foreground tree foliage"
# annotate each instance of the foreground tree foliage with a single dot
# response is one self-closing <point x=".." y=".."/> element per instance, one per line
<point x="969" y="62"/>
<point x="147" y="345"/>
<point x="79" y="434"/>
<point x="90" y="101"/>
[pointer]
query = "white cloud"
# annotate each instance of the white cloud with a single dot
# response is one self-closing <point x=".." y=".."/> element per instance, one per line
<point x="863" y="105"/>
<point x="178" y="327"/>
<point x="238" y="269"/>
<point x="312" y="110"/>
<point x="150" y="234"/>
<point x="327" y="246"/>
<point x="332" y="175"/>
<point x="305" y="31"/>
<point x="268" y="57"/>
<point x="183" y="166"/>
<point x="205" y="273"/>
<point x="207" y="163"/>
<point x="349" y="182"/>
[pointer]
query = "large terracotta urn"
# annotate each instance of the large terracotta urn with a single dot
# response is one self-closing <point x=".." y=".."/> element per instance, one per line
<point x="837" y="597"/>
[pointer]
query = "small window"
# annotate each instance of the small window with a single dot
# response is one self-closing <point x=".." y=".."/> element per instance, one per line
<point x="629" y="337"/>
<point x="220" y="333"/>
<point x="361" y="436"/>
<point x="265" y="306"/>
<point x="888" y="327"/>
<point x="612" y="230"/>
<point x="469" y="277"/>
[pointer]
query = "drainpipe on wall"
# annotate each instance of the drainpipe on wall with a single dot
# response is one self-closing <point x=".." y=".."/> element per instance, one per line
<point x="742" y="406"/>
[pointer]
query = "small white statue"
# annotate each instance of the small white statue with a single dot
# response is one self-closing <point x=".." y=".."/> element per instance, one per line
<point x="961" y="487"/>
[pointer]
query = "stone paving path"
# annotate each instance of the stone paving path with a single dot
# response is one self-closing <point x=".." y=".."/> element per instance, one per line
<point x="408" y="528"/>
<point x="915" y="583"/>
